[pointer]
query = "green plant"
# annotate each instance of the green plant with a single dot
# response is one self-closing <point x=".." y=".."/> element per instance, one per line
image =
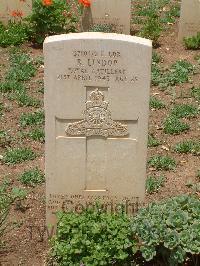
<point x="156" y="103"/>
<point x="29" y="119"/>
<point x="22" y="66"/>
<point x="152" y="28"/>
<point x="93" y="238"/>
<point x="7" y="198"/>
<point x="52" y="19"/>
<point x="193" y="42"/>
<point x="188" y="146"/>
<point x="13" y="34"/>
<point x="37" y="134"/>
<point x="32" y="177"/>
<point x="178" y="73"/>
<point x="23" y="99"/>
<point x="156" y="74"/>
<point x="165" y="233"/>
<point x="156" y="58"/>
<point x="174" y="126"/>
<point x="11" y="86"/>
<point x="153" y="142"/>
<point x="171" y="15"/>
<point x="39" y="60"/>
<point x="162" y="162"/>
<point x="197" y="57"/>
<point x="153" y="183"/>
<point x="18" y="155"/>
<point x="198" y="174"/>
<point x="154" y="16"/>
<point x="169" y="230"/>
<point x="5" y="138"/>
<point x="184" y="110"/>
<point x="195" y="93"/>
<point x="195" y="186"/>
<point x="41" y="89"/>
<point x="1" y="108"/>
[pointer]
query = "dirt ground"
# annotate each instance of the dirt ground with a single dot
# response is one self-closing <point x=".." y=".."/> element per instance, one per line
<point x="27" y="244"/>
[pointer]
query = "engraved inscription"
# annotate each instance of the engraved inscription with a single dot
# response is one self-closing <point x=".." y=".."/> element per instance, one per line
<point x="97" y="120"/>
<point x="93" y="66"/>
<point x="79" y="202"/>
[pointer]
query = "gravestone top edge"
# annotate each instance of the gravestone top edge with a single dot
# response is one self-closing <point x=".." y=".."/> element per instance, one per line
<point x="97" y="36"/>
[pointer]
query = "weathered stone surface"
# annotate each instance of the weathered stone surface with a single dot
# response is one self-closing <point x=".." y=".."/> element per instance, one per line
<point x="96" y="102"/>
<point x="190" y="18"/>
<point x="110" y="15"/>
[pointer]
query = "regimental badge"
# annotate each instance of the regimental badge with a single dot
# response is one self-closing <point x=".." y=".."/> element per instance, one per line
<point x="97" y="120"/>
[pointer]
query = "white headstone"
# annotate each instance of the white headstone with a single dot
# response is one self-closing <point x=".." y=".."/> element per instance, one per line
<point x="7" y="7"/>
<point x="190" y="18"/>
<point x="96" y="102"/>
<point x="115" y="14"/>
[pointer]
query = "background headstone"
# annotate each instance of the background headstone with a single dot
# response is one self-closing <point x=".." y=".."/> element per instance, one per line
<point x="96" y="102"/>
<point x="8" y="6"/>
<point x="111" y="15"/>
<point x="190" y="18"/>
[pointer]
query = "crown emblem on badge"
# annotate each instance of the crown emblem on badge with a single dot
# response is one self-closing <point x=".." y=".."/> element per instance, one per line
<point x="96" y="98"/>
<point x="97" y="120"/>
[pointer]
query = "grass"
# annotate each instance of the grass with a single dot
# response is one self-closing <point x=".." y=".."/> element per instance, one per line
<point x="152" y="28"/>
<point x="7" y="199"/>
<point x="171" y="14"/>
<point x="185" y="110"/>
<point x="156" y="103"/>
<point x="30" y="119"/>
<point x="1" y="108"/>
<point x="11" y="86"/>
<point x="13" y="34"/>
<point x="162" y="162"/>
<point x="178" y="73"/>
<point x="153" y="142"/>
<point x="32" y="177"/>
<point x="156" y="74"/>
<point x="188" y="146"/>
<point x="153" y="183"/>
<point x="145" y="9"/>
<point x="153" y="17"/>
<point x="156" y="58"/>
<point x="5" y="138"/>
<point x="198" y="175"/>
<point x="195" y="93"/>
<point x="37" y="134"/>
<point x="40" y="86"/>
<point x="18" y="155"/>
<point x="22" y="67"/>
<point x="174" y="126"/>
<point x="23" y="99"/>
<point x="193" y="42"/>
<point x="195" y="186"/>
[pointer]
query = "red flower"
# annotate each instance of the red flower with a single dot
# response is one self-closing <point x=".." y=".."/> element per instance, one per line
<point x="86" y="3"/>
<point x="17" y="13"/>
<point x="47" y="2"/>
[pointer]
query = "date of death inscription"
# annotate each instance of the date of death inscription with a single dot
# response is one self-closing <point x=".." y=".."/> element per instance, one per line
<point x="97" y="66"/>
